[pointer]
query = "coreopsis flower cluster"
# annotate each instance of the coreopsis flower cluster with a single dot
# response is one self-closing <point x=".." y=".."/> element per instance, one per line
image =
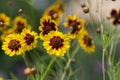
<point x="21" y="38"/>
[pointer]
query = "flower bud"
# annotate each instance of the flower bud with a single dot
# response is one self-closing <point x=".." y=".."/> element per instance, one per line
<point x="86" y="10"/>
<point x="83" y="5"/>
<point x="20" y="11"/>
<point x="27" y="71"/>
<point x="33" y="70"/>
<point x="73" y="61"/>
<point x="9" y="2"/>
<point x="98" y="30"/>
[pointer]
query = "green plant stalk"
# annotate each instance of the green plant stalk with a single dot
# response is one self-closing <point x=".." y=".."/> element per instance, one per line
<point x="26" y="60"/>
<point x="48" y="68"/>
<point x="103" y="63"/>
<point x="68" y="63"/>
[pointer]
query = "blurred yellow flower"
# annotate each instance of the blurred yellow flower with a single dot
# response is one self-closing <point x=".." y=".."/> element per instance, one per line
<point x="30" y="38"/>
<point x="58" y="5"/>
<point x="13" y="44"/>
<point x="76" y="25"/>
<point x="4" y="21"/>
<point x="86" y="42"/>
<point x="6" y="32"/>
<point x="1" y="78"/>
<point x="54" y="13"/>
<point x="20" y="23"/>
<point x="47" y="25"/>
<point x="56" y="43"/>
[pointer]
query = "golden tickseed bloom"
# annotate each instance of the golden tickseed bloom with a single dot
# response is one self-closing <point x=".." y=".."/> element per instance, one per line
<point x="1" y="78"/>
<point x="58" y="5"/>
<point x="56" y="43"/>
<point x="86" y="42"/>
<point x="54" y="13"/>
<point x="20" y="23"/>
<point x="47" y="25"/>
<point x="7" y="32"/>
<point x="76" y="25"/>
<point x="13" y="44"/>
<point x="4" y="21"/>
<point x="30" y="38"/>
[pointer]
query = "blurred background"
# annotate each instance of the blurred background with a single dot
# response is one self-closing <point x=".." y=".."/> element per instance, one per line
<point x="90" y="65"/>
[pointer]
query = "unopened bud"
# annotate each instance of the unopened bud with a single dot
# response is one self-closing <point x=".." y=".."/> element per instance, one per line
<point x="109" y="17"/>
<point x="98" y="30"/>
<point x="33" y="70"/>
<point x="20" y="11"/>
<point x="9" y="2"/>
<point x="73" y="60"/>
<point x="83" y="5"/>
<point x="27" y="71"/>
<point x="86" y="10"/>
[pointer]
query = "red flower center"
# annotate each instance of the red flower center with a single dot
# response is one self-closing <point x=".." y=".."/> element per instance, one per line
<point x="75" y="27"/>
<point x="14" y="45"/>
<point x="48" y="26"/>
<point x="87" y="40"/>
<point x="20" y="26"/>
<point x="56" y="42"/>
<point x="29" y="39"/>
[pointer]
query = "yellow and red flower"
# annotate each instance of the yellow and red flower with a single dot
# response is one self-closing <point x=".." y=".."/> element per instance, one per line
<point x="56" y="43"/>
<point x="47" y="25"/>
<point x="4" y="21"/>
<point x="20" y="23"/>
<point x="54" y="13"/>
<point x="30" y="38"/>
<point x="86" y="42"/>
<point x="13" y="44"/>
<point x="76" y="25"/>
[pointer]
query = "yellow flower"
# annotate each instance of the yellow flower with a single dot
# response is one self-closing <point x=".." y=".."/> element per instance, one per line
<point x="58" y="5"/>
<point x="4" y="21"/>
<point x="20" y="23"/>
<point x="1" y="78"/>
<point x="56" y="43"/>
<point x="7" y="32"/>
<point x="54" y="13"/>
<point x="47" y="25"/>
<point x="13" y="45"/>
<point x="86" y="42"/>
<point x="76" y="25"/>
<point x="30" y="39"/>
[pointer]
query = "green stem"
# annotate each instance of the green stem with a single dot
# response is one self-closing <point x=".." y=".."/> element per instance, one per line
<point x="26" y="60"/>
<point x="68" y="63"/>
<point x="67" y="66"/>
<point x="48" y="68"/>
<point x="103" y="63"/>
<point x="37" y="55"/>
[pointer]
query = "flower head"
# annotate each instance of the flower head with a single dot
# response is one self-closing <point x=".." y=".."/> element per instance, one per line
<point x="1" y="78"/>
<point x="58" y="5"/>
<point x="30" y="38"/>
<point x="86" y="42"/>
<point x="7" y="32"/>
<point x="47" y="25"/>
<point x="13" y="44"/>
<point x="56" y="43"/>
<point x="20" y="23"/>
<point x="4" y="21"/>
<point x="116" y="16"/>
<point x="54" y="13"/>
<point x="76" y="25"/>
